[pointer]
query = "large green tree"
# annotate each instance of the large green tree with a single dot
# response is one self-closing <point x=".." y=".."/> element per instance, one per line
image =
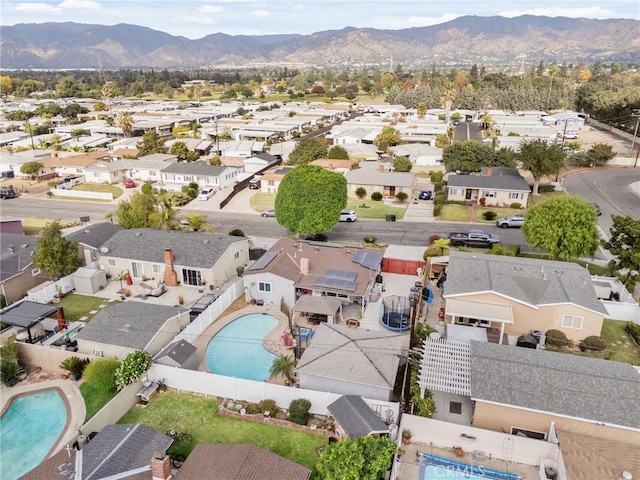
<point x="363" y="458"/>
<point x="32" y="169"/>
<point x="564" y="226"/>
<point x="600" y="153"/>
<point x="338" y="152"/>
<point x="283" y="365"/>
<point x="309" y="199"/>
<point x="388" y="137"/>
<point x="624" y="244"/>
<point x="307" y="150"/>
<point x="55" y="254"/>
<point x="541" y="158"/>
<point x="125" y="122"/>
<point x="136" y="212"/>
<point x="468" y="156"/>
<point x="151" y="143"/>
<point x="402" y="164"/>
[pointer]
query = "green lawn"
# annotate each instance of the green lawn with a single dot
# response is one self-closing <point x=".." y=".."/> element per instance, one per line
<point x="94" y="399"/>
<point x="91" y="187"/>
<point x="199" y="416"/>
<point x="620" y="346"/>
<point x="500" y="212"/>
<point x="76" y="306"/>
<point x="454" y="213"/>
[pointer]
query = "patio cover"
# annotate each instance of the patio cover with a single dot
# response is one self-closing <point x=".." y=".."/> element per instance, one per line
<point x="315" y="304"/>
<point x="26" y="314"/>
<point x="462" y="333"/>
<point x="495" y="312"/>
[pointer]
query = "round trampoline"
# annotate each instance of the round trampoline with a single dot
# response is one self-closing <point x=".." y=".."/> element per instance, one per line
<point x="395" y="313"/>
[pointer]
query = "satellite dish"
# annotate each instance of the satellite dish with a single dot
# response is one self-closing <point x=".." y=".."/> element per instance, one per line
<point x="104" y="250"/>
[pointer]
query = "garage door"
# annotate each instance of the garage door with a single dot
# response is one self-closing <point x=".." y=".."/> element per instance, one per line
<point x="405" y="267"/>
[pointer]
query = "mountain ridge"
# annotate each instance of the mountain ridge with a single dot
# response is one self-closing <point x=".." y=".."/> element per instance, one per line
<point x="491" y="40"/>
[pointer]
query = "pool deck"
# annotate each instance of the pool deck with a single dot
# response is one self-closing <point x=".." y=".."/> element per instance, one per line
<point x="271" y="342"/>
<point x="409" y="469"/>
<point x="76" y="410"/>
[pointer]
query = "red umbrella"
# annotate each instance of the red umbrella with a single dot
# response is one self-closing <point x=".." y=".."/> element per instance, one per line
<point x="62" y="324"/>
<point x="129" y="279"/>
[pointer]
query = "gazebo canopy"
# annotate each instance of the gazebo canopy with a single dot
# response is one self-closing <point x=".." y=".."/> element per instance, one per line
<point x="317" y="304"/>
<point x="26" y="314"/>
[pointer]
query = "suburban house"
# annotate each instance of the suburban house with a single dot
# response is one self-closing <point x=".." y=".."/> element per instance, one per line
<point x="17" y="273"/>
<point x="419" y="154"/>
<point x="121" y="329"/>
<point x="496" y="186"/>
<point x="387" y="183"/>
<point x="90" y="238"/>
<point x="148" y="168"/>
<point x="259" y="162"/>
<point x="177" y="175"/>
<point x="290" y="269"/>
<point x="190" y="258"/>
<point x="75" y="164"/>
<point x="352" y="361"/>
<point x="226" y="461"/>
<point x="11" y="225"/>
<point x="126" y="452"/>
<point x="355" y="418"/>
<point x="532" y="392"/>
<point x="515" y="296"/>
<point x="333" y="165"/>
<point x="202" y="147"/>
<point x="270" y="180"/>
<point x="105" y="172"/>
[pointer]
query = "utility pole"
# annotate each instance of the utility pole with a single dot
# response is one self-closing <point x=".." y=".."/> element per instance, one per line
<point x="636" y="114"/>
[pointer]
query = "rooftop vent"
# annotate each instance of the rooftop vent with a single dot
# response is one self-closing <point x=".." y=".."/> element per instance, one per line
<point x="138" y="234"/>
<point x="24" y="245"/>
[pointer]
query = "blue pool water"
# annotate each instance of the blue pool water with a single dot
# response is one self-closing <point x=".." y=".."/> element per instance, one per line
<point x="29" y="428"/>
<point x="436" y="468"/>
<point x="237" y="350"/>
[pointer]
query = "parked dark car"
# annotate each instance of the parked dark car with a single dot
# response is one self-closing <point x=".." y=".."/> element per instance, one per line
<point x="7" y="192"/>
<point x="254" y="184"/>
<point x="473" y="238"/>
<point x="425" y="195"/>
<point x="597" y="207"/>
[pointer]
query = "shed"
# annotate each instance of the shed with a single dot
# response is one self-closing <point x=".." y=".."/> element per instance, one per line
<point x="179" y="354"/>
<point x="89" y="280"/>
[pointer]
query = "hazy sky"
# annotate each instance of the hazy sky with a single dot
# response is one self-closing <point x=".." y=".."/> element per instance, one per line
<point x="198" y="18"/>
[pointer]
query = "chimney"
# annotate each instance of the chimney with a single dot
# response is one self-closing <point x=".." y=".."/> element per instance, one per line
<point x="381" y="168"/>
<point x="304" y="266"/>
<point x="160" y="467"/>
<point x="208" y="161"/>
<point x="489" y="171"/>
<point x="170" y="275"/>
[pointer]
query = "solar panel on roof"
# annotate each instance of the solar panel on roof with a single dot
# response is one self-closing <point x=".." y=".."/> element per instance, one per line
<point x="263" y="261"/>
<point x="368" y="260"/>
<point x="335" y="283"/>
<point x="333" y="273"/>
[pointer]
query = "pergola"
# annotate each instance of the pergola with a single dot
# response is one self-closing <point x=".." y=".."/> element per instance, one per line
<point x="26" y="315"/>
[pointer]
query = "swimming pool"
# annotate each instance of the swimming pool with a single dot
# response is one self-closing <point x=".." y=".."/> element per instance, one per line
<point x="237" y="349"/>
<point x="29" y="429"/>
<point x="436" y="468"/>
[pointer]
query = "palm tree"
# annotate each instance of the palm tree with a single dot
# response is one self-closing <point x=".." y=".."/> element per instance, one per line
<point x="283" y="365"/>
<point x="165" y="216"/>
<point x="198" y="223"/>
<point x="125" y="122"/>
<point x="553" y="71"/>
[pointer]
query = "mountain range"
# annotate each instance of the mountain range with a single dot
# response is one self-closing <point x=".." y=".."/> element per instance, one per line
<point x="463" y="41"/>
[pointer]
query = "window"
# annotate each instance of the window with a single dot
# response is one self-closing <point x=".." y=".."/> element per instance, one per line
<point x="271" y="183"/>
<point x="111" y="262"/>
<point x="456" y="192"/>
<point x="516" y="196"/>
<point x="137" y="269"/>
<point x="157" y="268"/>
<point x="572" y="321"/>
<point x="455" y="407"/>
<point x="237" y="255"/>
<point x="489" y="194"/>
<point x="523" y="432"/>
<point x="264" y="287"/>
<point x="188" y="178"/>
<point x="191" y="277"/>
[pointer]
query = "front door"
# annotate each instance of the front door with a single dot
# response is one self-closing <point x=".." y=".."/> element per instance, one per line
<point x="468" y="194"/>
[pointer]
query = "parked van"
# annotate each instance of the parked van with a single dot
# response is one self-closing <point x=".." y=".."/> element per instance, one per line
<point x="254" y="183"/>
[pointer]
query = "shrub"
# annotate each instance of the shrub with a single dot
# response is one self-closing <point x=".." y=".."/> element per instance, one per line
<point x="515" y="205"/>
<point x="236" y="232"/>
<point x="546" y="188"/>
<point x="299" y="411"/>
<point x="483" y="201"/>
<point x="489" y="215"/>
<point x="432" y="251"/>
<point x="433" y="238"/>
<point x="361" y="193"/>
<point x="594" y="343"/>
<point x="438" y="186"/>
<point x="132" y="368"/>
<point x="498" y="249"/>
<point x="438" y="199"/>
<point x="101" y="374"/>
<point x="514" y="251"/>
<point x="370" y="239"/>
<point x="146" y="188"/>
<point x="436" y="177"/>
<point x="436" y="210"/>
<point x="268" y="405"/>
<point x="376" y="196"/>
<point x="9" y="371"/>
<point x="251" y="408"/>
<point x="634" y="331"/>
<point x="556" y="338"/>
<point x="401" y="196"/>
<point x="74" y="365"/>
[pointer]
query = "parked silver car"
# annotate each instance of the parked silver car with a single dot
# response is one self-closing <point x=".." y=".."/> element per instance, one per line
<point x="515" y="221"/>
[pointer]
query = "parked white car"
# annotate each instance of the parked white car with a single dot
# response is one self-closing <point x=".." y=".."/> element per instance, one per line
<point x="348" y="216"/>
<point x="206" y="193"/>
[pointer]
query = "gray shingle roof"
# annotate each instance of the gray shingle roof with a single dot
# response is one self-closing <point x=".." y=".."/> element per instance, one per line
<point x="94" y="235"/>
<point x="505" y="182"/>
<point x="130" y="324"/>
<point x="363" y="176"/>
<point x="360" y="356"/>
<point x="356" y="417"/>
<point x="559" y="383"/>
<point x="121" y="448"/>
<point x="179" y="351"/>
<point x="15" y="254"/>
<point x="190" y="249"/>
<point x="528" y="280"/>
<point x="195" y="168"/>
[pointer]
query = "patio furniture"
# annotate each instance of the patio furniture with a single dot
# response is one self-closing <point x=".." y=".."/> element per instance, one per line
<point x="288" y="340"/>
<point x="306" y="333"/>
<point x="146" y="392"/>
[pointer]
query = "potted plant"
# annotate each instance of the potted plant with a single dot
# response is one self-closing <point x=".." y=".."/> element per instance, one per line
<point x="75" y="366"/>
<point x="399" y="454"/>
<point x="406" y="436"/>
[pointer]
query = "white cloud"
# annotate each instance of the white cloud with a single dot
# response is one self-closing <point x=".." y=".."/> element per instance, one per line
<point x="428" y="21"/>
<point x="584" y="12"/>
<point x="260" y="13"/>
<point x="79" y="4"/>
<point x="211" y="9"/>
<point x="34" y="7"/>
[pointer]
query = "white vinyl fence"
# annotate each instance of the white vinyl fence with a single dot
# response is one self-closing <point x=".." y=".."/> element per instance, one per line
<point x="49" y="290"/>
<point x="82" y="194"/>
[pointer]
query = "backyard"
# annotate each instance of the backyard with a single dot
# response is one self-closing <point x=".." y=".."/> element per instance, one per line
<point x="199" y="417"/>
<point x="77" y="306"/>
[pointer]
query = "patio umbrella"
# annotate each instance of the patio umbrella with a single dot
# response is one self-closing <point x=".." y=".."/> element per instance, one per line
<point x="62" y="323"/>
<point x="129" y="279"/>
